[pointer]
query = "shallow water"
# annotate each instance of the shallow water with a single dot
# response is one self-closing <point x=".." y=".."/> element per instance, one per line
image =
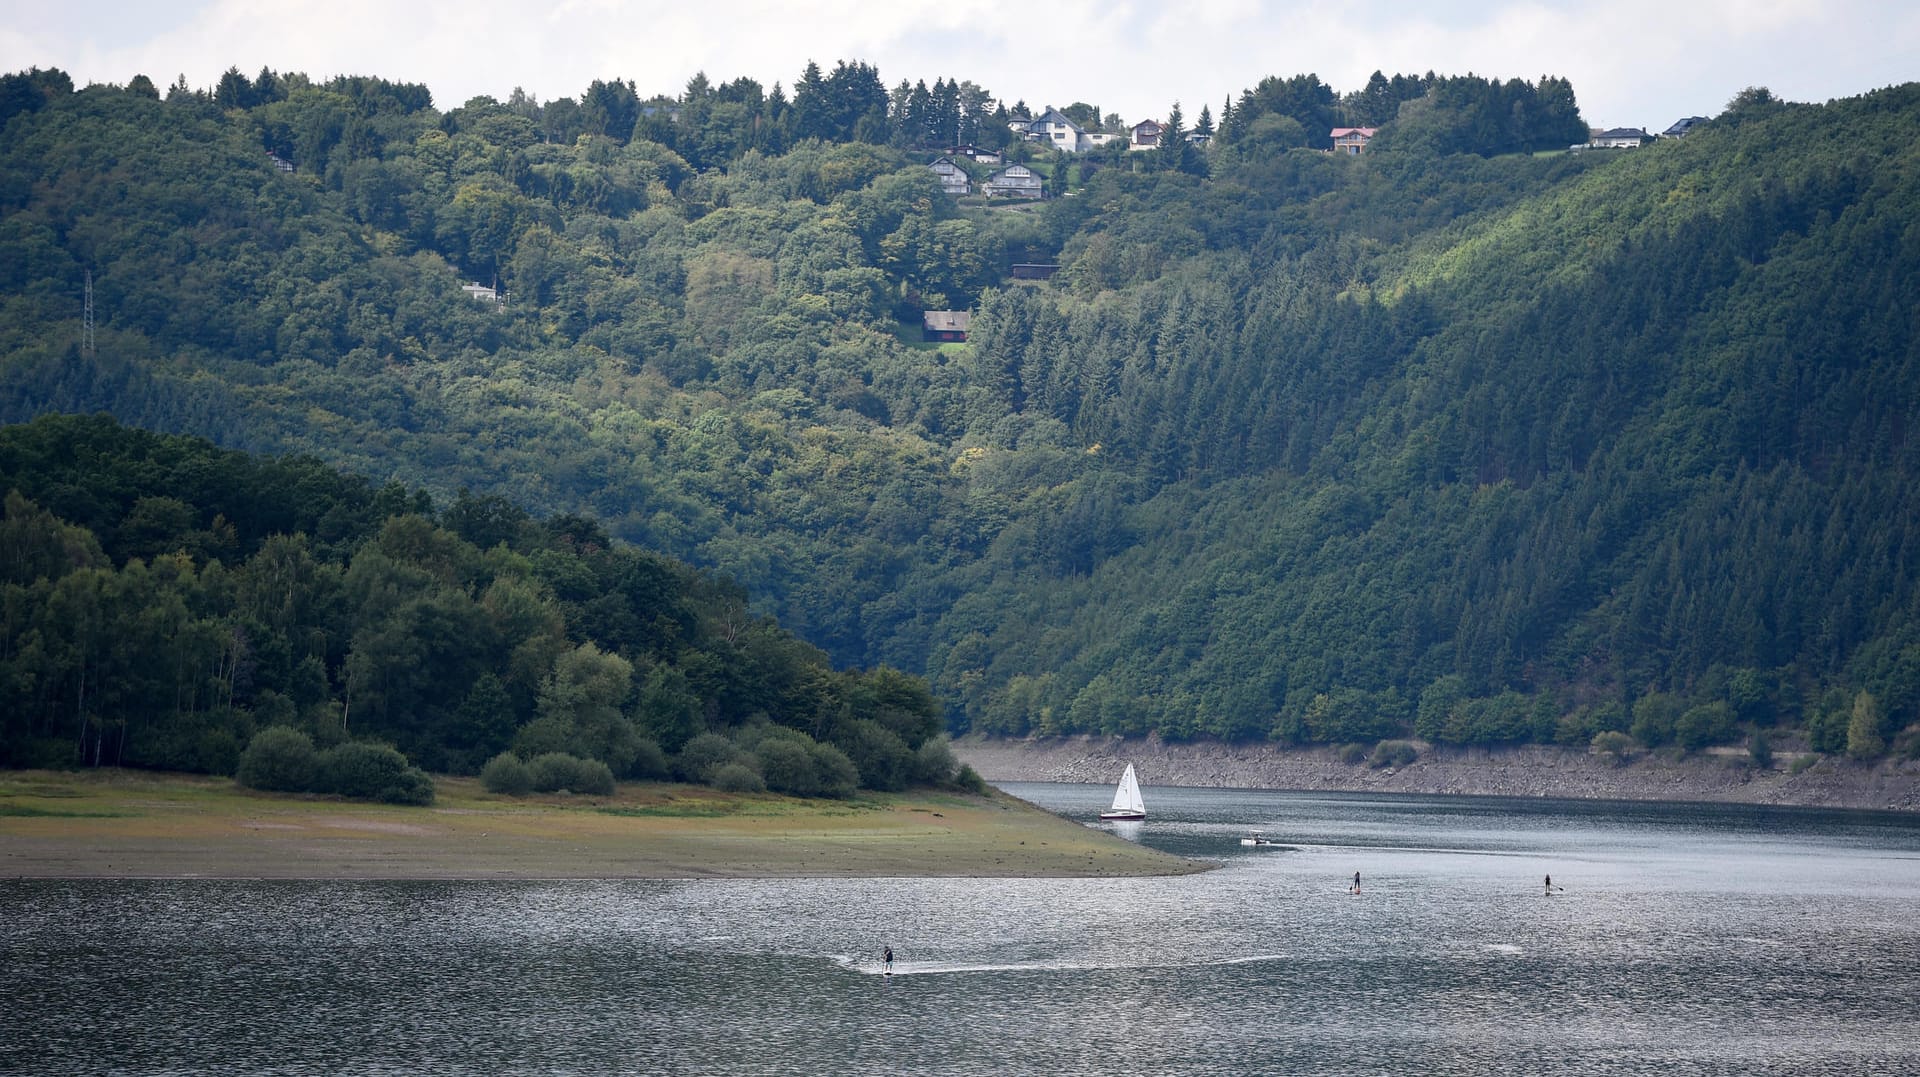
<point x="1687" y="940"/>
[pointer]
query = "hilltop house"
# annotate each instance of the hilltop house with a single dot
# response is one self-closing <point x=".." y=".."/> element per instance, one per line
<point x="953" y="179"/>
<point x="1055" y="129"/>
<point x="1683" y="127"/>
<point x="1619" y="138"/>
<point x="1014" y="181"/>
<point x="946" y="326"/>
<point x="1352" y="140"/>
<point x="1146" y="135"/>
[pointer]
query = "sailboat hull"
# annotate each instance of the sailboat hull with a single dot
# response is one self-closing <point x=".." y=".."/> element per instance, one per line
<point x="1123" y="815"/>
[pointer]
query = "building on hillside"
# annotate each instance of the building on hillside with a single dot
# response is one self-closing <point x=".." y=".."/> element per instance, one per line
<point x="1015" y="181"/>
<point x="1055" y="129"/>
<point x="1032" y="271"/>
<point x="1096" y="139"/>
<point x="1619" y="138"/>
<point x="1146" y="135"/>
<point x="279" y="163"/>
<point x="1683" y="127"/>
<point x="975" y="154"/>
<point x="482" y="292"/>
<point x="1352" y="140"/>
<point x="953" y="179"/>
<point x="945" y="326"/>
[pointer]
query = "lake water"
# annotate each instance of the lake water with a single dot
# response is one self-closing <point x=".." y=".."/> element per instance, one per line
<point x="1687" y="940"/>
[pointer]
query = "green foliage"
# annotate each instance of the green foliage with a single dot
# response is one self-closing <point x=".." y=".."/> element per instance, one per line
<point x="1708" y="723"/>
<point x="507" y="773"/>
<point x="1392" y="753"/>
<point x="1444" y="439"/>
<point x="1760" y="750"/>
<point x="1864" y="739"/>
<point x="1613" y="745"/>
<point x="366" y="771"/>
<point x="738" y="777"/>
<point x="279" y="759"/>
<point x="558" y="772"/>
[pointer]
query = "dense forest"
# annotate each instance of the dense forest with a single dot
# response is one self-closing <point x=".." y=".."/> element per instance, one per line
<point x="165" y="600"/>
<point x="1467" y="437"/>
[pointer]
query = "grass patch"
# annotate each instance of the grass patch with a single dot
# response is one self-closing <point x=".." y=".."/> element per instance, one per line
<point x="28" y="811"/>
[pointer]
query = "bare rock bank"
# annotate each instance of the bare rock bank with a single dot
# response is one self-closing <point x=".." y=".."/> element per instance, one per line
<point x="1724" y="775"/>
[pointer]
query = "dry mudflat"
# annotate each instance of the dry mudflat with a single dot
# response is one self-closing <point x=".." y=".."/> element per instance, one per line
<point x="126" y="824"/>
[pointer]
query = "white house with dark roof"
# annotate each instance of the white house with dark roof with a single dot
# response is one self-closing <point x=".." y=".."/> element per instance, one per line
<point x="953" y="179"/>
<point x="1683" y="127"/>
<point x="1015" y="181"/>
<point x="1620" y="138"/>
<point x="1055" y="129"/>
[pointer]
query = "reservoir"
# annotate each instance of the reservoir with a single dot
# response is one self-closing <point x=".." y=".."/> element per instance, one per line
<point x="1683" y="939"/>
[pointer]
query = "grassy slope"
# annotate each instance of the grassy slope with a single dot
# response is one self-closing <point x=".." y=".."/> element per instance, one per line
<point x="138" y="824"/>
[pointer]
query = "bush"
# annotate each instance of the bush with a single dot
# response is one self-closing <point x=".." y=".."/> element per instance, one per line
<point x="1612" y="744"/>
<point x="933" y="764"/>
<point x="1804" y="763"/>
<point x="702" y="756"/>
<point x="837" y="776"/>
<point x="1760" y="751"/>
<point x="649" y="762"/>
<point x="278" y="758"/>
<point x="507" y="773"/>
<point x="969" y="780"/>
<point x="558" y="772"/>
<point x="372" y="772"/>
<point x="738" y="778"/>
<point x="1710" y="723"/>
<point x="788" y="767"/>
<point x="1392" y="753"/>
<point x="1353" y="754"/>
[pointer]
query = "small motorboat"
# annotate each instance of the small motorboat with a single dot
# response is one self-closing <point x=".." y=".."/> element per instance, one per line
<point x="1259" y="837"/>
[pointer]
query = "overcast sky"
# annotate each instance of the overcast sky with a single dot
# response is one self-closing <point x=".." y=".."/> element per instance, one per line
<point x="1633" y="63"/>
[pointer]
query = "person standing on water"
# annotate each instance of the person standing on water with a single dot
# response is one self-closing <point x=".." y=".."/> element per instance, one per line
<point x="1549" y="884"/>
<point x="886" y="959"/>
<point x="1356" y="882"/>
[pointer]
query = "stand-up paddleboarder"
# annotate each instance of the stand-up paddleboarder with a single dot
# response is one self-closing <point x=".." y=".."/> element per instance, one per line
<point x="1356" y="882"/>
<point x="886" y="960"/>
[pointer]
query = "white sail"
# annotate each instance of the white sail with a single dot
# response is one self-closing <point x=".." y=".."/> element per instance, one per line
<point x="1127" y="797"/>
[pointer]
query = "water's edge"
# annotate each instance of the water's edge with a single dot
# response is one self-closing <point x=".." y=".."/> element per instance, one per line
<point x="1726" y="776"/>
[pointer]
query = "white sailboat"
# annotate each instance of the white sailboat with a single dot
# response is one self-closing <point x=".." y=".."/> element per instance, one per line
<point x="1126" y="799"/>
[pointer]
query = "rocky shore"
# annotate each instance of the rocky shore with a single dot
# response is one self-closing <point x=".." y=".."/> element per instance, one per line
<point x="1723" y="775"/>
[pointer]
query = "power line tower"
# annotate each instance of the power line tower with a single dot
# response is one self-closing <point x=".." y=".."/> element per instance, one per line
<point x="86" y="320"/>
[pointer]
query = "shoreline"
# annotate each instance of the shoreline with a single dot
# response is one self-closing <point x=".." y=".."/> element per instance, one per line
<point x="1725" y="776"/>
<point x="144" y="825"/>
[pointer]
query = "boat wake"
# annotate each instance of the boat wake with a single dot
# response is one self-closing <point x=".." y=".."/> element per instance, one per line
<point x="869" y="967"/>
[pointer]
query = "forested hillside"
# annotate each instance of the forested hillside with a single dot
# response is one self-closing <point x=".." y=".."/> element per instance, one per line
<point x="1450" y="438"/>
<point x="164" y="601"/>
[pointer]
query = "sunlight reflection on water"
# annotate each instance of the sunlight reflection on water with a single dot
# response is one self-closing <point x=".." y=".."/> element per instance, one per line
<point x="1695" y="940"/>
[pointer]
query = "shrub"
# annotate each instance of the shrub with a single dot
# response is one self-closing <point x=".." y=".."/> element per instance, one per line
<point x="933" y="764"/>
<point x="970" y="780"/>
<point x="1803" y="763"/>
<point x="1612" y="744"/>
<point x="837" y="776"/>
<point x="787" y="767"/>
<point x="1760" y="751"/>
<point x="737" y="777"/>
<point x="1710" y="723"/>
<point x="372" y="772"/>
<point x="507" y="773"/>
<point x="1353" y="754"/>
<point x="702" y="756"/>
<point x="556" y="772"/>
<point x="649" y="762"/>
<point x="279" y="758"/>
<point x="1392" y="753"/>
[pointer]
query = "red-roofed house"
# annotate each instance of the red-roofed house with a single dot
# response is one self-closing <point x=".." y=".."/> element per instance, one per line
<point x="1352" y="140"/>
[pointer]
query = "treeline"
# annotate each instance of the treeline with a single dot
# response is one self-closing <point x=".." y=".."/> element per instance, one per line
<point x="167" y="602"/>
<point x="1294" y="445"/>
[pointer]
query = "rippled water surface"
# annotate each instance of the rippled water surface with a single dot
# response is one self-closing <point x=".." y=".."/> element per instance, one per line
<point x="1688" y="940"/>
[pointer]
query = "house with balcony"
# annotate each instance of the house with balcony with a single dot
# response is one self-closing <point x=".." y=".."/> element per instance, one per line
<point x="1054" y="128"/>
<point x="1352" y="141"/>
<point x="1015" y="181"/>
<point x="953" y="179"/>
<point x="1145" y="135"/>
